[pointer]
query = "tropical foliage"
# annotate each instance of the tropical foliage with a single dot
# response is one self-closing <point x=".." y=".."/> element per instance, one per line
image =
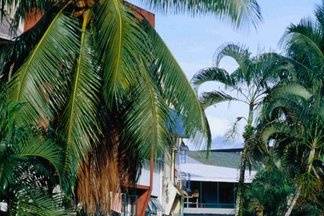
<point x="286" y="122"/>
<point x="269" y="190"/>
<point x="30" y="167"/>
<point x="293" y="114"/>
<point x="248" y="84"/>
<point x="97" y="82"/>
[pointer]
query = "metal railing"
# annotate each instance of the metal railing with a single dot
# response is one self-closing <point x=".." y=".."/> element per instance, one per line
<point x="193" y="204"/>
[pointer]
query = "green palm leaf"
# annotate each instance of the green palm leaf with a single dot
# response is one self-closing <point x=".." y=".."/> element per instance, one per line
<point x="242" y="56"/>
<point x="239" y="53"/>
<point x="148" y="119"/>
<point x="304" y="36"/>
<point x="213" y="74"/>
<point x="274" y="129"/>
<point x="238" y="11"/>
<point x="37" y="203"/>
<point x="176" y="88"/>
<point x="80" y="116"/>
<point x="122" y="45"/>
<point x="37" y="78"/>
<point x="293" y="89"/>
<point x="212" y="98"/>
<point x="36" y="147"/>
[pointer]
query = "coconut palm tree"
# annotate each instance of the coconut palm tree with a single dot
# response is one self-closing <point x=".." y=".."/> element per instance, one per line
<point x="95" y="72"/>
<point x="248" y="84"/>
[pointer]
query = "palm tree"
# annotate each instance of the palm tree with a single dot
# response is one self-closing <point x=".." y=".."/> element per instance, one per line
<point x="301" y="102"/>
<point x="294" y="121"/>
<point x="248" y="84"/>
<point x="92" y="71"/>
<point x="304" y="46"/>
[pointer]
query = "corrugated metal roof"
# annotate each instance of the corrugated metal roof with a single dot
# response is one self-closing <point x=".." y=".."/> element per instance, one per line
<point x="223" y="158"/>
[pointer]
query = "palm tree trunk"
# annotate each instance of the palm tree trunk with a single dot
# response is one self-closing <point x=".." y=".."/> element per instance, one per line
<point x="293" y="201"/>
<point x="240" y="188"/>
<point x="239" y="194"/>
<point x="292" y="204"/>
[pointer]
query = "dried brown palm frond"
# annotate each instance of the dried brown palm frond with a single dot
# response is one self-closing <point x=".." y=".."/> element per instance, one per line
<point x="109" y="167"/>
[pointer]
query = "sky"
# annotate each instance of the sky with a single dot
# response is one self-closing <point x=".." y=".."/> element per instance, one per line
<point x="194" y="41"/>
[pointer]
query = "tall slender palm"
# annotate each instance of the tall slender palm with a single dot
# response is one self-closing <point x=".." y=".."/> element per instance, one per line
<point x="92" y="70"/>
<point x="248" y="84"/>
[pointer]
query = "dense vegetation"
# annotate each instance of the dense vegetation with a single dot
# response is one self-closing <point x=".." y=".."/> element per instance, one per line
<point x="285" y="124"/>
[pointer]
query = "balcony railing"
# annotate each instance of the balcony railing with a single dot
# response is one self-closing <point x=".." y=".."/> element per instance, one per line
<point x="189" y="204"/>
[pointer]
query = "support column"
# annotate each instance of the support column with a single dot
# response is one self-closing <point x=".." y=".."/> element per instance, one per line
<point x="143" y="200"/>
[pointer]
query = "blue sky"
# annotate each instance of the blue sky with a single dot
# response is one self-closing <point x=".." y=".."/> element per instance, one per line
<point x="194" y="40"/>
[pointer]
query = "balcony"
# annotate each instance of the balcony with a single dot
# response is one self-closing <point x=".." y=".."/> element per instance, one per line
<point x="209" y="198"/>
<point x="194" y="208"/>
<point x="208" y="211"/>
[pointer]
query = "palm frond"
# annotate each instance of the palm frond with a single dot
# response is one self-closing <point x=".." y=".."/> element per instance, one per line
<point x="148" y="119"/>
<point x="272" y="68"/>
<point x="293" y="89"/>
<point x="308" y="29"/>
<point x="238" y="11"/>
<point x="176" y="89"/>
<point x="274" y="129"/>
<point x="319" y="14"/>
<point x="122" y="44"/>
<point x="32" y="149"/>
<point x="242" y="56"/>
<point x="238" y="52"/>
<point x="304" y="42"/>
<point x="37" y="147"/>
<point x="37" y="203"/>
<point x="212" y="98"/>
<point x="23" y="44"/>
<point x="276" y="108"/>
<point x="212" y="74"/>
<point x="80" y="116"/>
<point x="35" y="80"/>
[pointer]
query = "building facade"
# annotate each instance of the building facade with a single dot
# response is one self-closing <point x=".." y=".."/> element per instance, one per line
<point x="209" y="184"/>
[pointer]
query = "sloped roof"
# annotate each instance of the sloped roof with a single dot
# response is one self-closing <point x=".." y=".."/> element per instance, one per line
<point x="229" y="158"/>
<point x="211" y="173"/>
<point x="220" y="166"/>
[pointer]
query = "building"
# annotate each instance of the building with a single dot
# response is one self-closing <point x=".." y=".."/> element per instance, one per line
<point x="209" y="183"/>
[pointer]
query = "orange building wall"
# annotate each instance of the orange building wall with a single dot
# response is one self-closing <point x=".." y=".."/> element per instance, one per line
<point x="31" y="19"/>
<point x="150" y="17"/>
